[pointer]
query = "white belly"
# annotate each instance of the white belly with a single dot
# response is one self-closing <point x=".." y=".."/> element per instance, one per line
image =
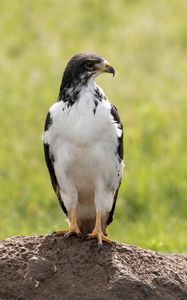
<point x="84" y="146"/>
<point x="85" y="166"/>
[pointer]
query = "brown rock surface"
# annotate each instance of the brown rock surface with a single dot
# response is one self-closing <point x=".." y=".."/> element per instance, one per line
<point x="49" y="267"/>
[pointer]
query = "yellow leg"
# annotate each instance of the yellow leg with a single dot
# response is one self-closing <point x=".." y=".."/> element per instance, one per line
<point x="97" y="232"/>
<point x="73" y="227"/>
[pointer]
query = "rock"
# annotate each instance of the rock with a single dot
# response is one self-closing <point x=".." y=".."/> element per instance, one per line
<point x="38" y="269"/>
<point x="50" y="267"/>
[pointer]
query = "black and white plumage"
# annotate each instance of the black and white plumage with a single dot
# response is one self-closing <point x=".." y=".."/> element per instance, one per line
<point x="83" y="146"/>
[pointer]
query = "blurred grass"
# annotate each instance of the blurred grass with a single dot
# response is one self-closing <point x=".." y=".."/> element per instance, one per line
<point x="146" y="42"/>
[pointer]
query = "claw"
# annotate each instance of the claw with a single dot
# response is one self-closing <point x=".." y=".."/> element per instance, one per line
<point x="73" y="231"/>
<point x="100" y="237"/>
<point x="59" y="232"/>
<point x="73" y="228"/>
<point x="100" y="245"/>
<point x="68" y="232"/>
<point x="97" y="233"/>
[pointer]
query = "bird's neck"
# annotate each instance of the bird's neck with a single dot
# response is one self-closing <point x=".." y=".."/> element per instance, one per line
<point x="70" y="91"/>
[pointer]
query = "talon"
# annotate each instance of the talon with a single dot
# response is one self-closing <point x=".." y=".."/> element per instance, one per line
<point x="73" y="231"/>
<point x="100" y="237"/>
<point x="68" y="232"/>
<point x="59" y="232"/>
<point x="100" y="245"/>
<point x="97" y="233"/>
<point x="73" y="228"/>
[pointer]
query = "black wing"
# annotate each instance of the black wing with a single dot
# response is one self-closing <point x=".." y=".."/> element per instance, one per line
<point x="111" y="213"/>
<point x="49" y="159"/>
<point x="120" y="152"/>
<point x="117" y="120"/>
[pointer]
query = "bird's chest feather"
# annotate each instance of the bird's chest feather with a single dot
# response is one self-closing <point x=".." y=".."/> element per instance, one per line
<point x="83" y="138"/>
<point x="84" y="124"/>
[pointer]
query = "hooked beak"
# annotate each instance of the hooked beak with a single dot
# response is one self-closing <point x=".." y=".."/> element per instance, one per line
<point x="108" y="68"/>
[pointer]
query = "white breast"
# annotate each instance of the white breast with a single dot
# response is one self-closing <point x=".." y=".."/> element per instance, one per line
<point x="84" y="145"/>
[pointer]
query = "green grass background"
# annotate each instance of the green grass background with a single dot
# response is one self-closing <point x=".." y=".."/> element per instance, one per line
<point x="146" y="42"/>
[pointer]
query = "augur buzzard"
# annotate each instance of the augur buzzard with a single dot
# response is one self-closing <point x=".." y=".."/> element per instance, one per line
<point x="83" y="146"/>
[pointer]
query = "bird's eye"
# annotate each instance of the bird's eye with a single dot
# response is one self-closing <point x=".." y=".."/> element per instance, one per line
<point x="89" y="65"/>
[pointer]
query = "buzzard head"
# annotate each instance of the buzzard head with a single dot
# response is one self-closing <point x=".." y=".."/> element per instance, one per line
<point x="84" y="67"/>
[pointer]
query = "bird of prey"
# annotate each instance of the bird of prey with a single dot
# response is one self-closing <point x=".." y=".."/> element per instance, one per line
<point x="83" y="147"/>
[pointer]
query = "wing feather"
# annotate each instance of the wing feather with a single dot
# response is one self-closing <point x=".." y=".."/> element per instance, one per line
<point x="120" y="151"/>
<point x="49" y="159"/>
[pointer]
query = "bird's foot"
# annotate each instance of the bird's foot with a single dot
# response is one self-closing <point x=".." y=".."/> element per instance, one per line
<point x="100" y="237"/>
<point x="97" y="232"/>
<point x="73" y="230"/>
<point x="73" y="227"/>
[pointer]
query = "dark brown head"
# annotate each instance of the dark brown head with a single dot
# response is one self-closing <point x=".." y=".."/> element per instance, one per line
<point x="83" y="67"/>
